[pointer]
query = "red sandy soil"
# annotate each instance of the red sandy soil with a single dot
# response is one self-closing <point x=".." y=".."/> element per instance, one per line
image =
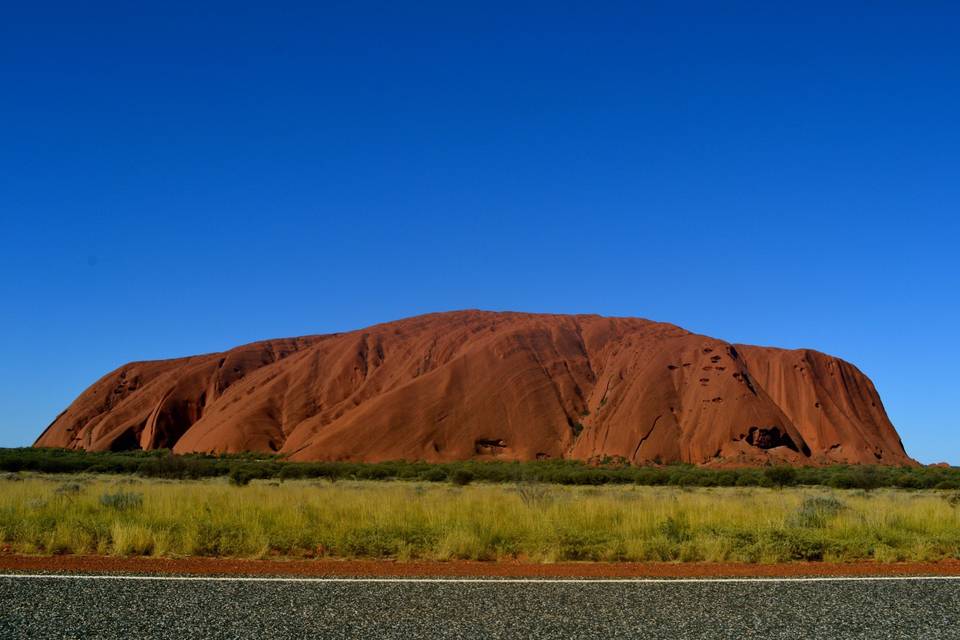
<point x="474" y="384"/>
<point x="464" y="568"/>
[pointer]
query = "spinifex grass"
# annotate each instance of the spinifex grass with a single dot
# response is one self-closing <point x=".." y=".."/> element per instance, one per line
<point x="354" y="519"/>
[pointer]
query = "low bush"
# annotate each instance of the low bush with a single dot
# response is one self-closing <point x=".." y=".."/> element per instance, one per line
<point x="814" y="511"/>
<point x="122" y="500"/>
<point x="434" y="475"/>
<point x="241" y="476"/>
<point x="781" y="475"/>
<point x="68" y="489"/>
<point x="243" y="468"/>
<point x="533" y="493"/>
<point x="461" y="477"/>
<point x="676" y="528"/>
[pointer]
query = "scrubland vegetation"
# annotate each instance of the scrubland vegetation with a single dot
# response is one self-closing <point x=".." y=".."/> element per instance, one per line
<point x="526" y="519"/>
<point x="241" y="469"/>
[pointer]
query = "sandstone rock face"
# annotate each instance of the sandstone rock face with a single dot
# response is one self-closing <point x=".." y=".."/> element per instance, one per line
<point x="473" y="384"/>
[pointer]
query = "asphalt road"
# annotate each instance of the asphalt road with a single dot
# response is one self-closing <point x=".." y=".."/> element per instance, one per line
<point x="222" y="608"/>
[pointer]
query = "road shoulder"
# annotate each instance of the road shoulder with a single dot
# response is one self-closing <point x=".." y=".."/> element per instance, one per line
<point x="460" y="568"/>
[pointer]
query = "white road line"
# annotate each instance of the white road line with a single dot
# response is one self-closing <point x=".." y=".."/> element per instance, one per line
<point x="161" y="578"/>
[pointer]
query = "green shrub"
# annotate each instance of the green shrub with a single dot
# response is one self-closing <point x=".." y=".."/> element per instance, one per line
<point x="122" y="500"/>
<point x="434" y="475"/>
<point x="533" y="493"/>
<point x="241" y="476"/>
<point x="375" y="472"/>
<point x="603" y="470"/>
<point x="814" y="512"/>
<point x="68" y="489"/>
<point x="461" y="477"/>
<point x="781" y="475"/>
<point x="797" y="544"/>
<point x="675" y="528"/>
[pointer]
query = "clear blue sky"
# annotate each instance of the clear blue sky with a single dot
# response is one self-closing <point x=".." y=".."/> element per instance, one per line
<point x="181" y="178"/>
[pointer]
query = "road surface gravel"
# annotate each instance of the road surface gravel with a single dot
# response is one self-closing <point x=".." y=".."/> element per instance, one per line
<point x="218" y="607"/>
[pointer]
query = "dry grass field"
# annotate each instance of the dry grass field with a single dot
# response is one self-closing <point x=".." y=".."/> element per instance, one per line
<point x="114" y="515"/>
